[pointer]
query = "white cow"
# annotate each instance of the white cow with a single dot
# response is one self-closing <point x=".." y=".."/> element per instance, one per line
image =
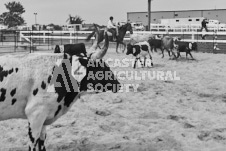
<point x="140" y="49"/>
<point x="42" y="87"/>
<point x="135" y="38"/>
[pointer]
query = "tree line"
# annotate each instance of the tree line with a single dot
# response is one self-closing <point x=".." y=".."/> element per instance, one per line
<point x="13" y="16"/>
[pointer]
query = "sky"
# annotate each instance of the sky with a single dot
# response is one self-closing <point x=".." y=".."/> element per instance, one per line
<point x="99" y="11"/>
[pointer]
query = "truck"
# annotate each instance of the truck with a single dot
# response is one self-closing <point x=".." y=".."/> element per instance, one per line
<point x="192" y="23"/>
<point x="138" y="26"/>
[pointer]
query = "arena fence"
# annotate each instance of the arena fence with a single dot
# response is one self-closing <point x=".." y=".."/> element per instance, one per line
<point x="17" y="41"/>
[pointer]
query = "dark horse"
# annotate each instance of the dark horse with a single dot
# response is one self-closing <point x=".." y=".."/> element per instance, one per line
<point x="119" y="40"/>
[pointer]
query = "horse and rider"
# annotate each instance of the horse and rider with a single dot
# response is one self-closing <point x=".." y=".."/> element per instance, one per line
<point x="113" y="28"/>
<point x="116" y="33"/>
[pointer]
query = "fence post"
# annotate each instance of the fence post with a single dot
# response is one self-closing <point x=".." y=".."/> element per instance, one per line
<point x="70" y="37"/>
<point x="52" y="40"/>
<point x="14" y="41"/>
<point x="30" y="42"/>
<point x="61" y="38"/>
<point x="192" y="36"/>
<point x="77" y="40"/>
<point x="214" y="40"/>
<point x="20" y="35"/>
<point x="44" y="39"/>
<point x="48" y="38"/>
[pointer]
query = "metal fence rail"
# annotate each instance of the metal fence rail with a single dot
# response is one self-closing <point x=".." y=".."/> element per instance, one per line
<point x="14" y="41"/>
<point x="186" y="27"/>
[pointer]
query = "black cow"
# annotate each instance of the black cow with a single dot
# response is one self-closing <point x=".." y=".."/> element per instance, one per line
<point x="78" y="49"/>
<point x="141" y="49"/>
<point x="155" y="43"/>
<point x="187" y="47"/>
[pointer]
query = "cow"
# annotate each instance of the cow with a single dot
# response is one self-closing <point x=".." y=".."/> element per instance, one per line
<point x="187" y="47"/>
<point x="135" y="38"/>
<point x="78" y="49"/>
<point x="41" y="87"/>
<point x="154" y="44"/>
<point x="168" y="43"/>
<point x="141" y="49"/>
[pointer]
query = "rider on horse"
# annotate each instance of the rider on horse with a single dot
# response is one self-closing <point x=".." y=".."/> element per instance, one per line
<point x="112" y="27"/>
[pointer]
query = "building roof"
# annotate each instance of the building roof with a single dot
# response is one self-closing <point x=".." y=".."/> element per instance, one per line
<point x="179" y="11"/>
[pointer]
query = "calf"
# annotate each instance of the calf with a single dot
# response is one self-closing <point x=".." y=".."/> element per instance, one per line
<point x="155" y="43"/>
<point x="41" y="87"/>
<point x="135" y="38"/>
<point x="78" y="49"/>
<point x="141" y="49"/>
<point x="187" y="47"/>
<point x="168" y="43"/>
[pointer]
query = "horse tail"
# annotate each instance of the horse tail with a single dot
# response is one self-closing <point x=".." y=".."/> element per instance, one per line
<point x="90" y="36"/>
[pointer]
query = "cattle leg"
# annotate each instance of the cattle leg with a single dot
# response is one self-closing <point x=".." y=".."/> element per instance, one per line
<point x="173" y="54"/>
<point x="191" y="55"/>
<point x="152" y="49"/>
<point x="34" y="132"/>
<point x="151" y="59"/>
<point x="168" y="52"/>
<point x="141" y="62"/>
<point x="36" y="118"/>
<point x="144" y="62"/>
<point x="162" y="53"/>
<point x="41" y="144"/>
<point x="134" y="66"/>
<point x="178" y="54"/>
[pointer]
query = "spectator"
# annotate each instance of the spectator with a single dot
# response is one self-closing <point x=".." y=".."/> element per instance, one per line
<point x="204" y="22"/>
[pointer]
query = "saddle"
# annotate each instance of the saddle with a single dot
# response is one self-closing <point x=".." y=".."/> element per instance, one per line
<point x="109" y="33"/>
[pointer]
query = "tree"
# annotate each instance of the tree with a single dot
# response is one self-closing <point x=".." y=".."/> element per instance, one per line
<point x="75" y="20"/>
<point x="55" y="27"/>
<point x="13" y="17"/>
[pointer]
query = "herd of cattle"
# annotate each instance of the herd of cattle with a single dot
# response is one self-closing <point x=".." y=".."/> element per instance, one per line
<point x="142" y="46"/>
<point x="41" y="87"/>
<point x="173" y="45"/>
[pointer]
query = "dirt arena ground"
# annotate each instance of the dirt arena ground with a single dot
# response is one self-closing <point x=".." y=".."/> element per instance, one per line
<point x="163" y="115"/>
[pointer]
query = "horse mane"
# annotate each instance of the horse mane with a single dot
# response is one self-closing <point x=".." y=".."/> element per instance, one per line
<point x="101" y="26"/>
<point x="124" y="26"/>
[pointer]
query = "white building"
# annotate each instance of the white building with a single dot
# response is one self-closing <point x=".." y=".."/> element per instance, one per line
<point x="73" y="27"/>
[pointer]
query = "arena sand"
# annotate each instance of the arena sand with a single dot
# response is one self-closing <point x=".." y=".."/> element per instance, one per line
<point x="163" y="115"/>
